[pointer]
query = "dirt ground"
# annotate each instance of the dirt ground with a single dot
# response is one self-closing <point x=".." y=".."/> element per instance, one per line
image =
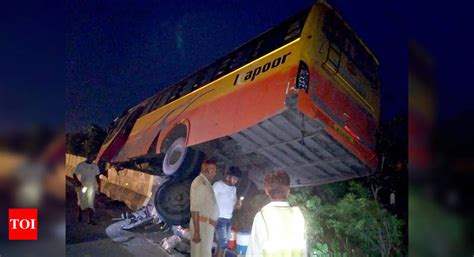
<point x="79" y="232"/>
<point x="107" y="238"/>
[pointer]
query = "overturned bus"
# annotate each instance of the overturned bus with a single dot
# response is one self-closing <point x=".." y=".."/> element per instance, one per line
<point x="303" y="96"/>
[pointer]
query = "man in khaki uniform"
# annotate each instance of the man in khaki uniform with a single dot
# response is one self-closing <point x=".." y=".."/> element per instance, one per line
<point x="204" y="211"/>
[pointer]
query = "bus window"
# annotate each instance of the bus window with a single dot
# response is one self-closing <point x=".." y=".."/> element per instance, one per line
<point x="188" y="85"/>
<point x="207" y="75"/>
<point x="199" y="80"/>
<point x="116" y="126"/>
<point x="232" y="63"/>
<point x="152" y="104"/>
<point x="293" y="32"/>
<point x="175" y="92"/>
<point x="223" y="66"/>
<point x="275" y="39"/>
<point x="333" y="57"/>
<point x="242" y="58"/>
<point x="164" y="97"/>
<point x="133" y="117"/>
<point x="111" y="131"/>
<point x="257" y="49"/>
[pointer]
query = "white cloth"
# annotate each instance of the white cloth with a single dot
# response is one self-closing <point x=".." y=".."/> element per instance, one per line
<point x="86" y="173"/>
<point x="226" y="197"/>
<point x="259" y="235"/>
<point x="203" y="201"/>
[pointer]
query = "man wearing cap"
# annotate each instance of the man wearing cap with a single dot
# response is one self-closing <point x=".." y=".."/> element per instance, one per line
<point x="204" y="211"/>
<point x="226" y="196"/>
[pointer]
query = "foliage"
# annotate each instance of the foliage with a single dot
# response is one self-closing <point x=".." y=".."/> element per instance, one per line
<point x="353" y="225"/>
<point x="331" y="193"/>
<point x="75" y="143"/>
<point x="323" y="250"/>
<point x="312" y="209"/>
<point x="95" y="138"/>
<point x="83" y="143"/>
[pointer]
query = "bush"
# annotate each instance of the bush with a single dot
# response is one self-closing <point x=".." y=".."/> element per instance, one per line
<point x="354" y="225"/>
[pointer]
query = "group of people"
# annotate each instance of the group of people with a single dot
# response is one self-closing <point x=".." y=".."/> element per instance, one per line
<point x="278" y="229"/>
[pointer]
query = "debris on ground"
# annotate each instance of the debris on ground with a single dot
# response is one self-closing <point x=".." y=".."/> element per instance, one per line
<point x="143" y="216"/>
<point x="170" y="242"/>
<point x="183" y="233"/>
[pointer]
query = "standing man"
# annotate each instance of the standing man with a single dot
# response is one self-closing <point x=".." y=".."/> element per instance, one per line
<point x="278" y="229"/>
<point x="86" y="179"/>
<point x="204" y="210"/>
<point x="226" y="196"/>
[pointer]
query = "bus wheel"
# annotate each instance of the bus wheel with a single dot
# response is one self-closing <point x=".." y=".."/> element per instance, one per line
<point x="172" y="202"/>
<point x="181" y="161"/>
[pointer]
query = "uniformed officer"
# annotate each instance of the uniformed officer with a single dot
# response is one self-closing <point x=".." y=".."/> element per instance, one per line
<point x="204" y="211"/>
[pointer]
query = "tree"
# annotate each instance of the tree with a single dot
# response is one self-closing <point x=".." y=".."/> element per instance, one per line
<point x="82" y="143"/>
<point x="95" y="138"/>
<point x="363" y="222"/>
<point x="75" y="143"/>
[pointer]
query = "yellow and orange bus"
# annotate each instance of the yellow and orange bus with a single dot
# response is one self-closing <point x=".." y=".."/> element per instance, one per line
<point x="303" y="96"/>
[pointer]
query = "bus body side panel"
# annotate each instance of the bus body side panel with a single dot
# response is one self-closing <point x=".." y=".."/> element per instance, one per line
<point x="232" y="103"/>
<point x="108" y="150"/>
<point x="256" y="102"/>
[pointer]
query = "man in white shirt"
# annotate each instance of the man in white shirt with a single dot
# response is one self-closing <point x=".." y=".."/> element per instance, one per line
<point x="226" y="196"/>
<point x="278" y="229"/>
<point x="86" y="179"/>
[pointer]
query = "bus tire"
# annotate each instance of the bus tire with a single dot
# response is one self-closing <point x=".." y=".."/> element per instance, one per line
<point x="172" y="201"/>
<point x="175" y="156"/>
<point x="180" y="161"/>
<point x="191" y="166"/>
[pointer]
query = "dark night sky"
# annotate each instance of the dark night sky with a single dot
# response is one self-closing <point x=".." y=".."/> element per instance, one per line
<point x="121" y="52"/>
<point x="441" y="30"/>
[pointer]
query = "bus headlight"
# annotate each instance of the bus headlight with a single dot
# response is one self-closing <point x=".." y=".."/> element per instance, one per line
<point x="302" y="81"/>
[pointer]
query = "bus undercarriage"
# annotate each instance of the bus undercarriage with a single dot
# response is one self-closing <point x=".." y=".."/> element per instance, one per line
<point x="289" y="140"/>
